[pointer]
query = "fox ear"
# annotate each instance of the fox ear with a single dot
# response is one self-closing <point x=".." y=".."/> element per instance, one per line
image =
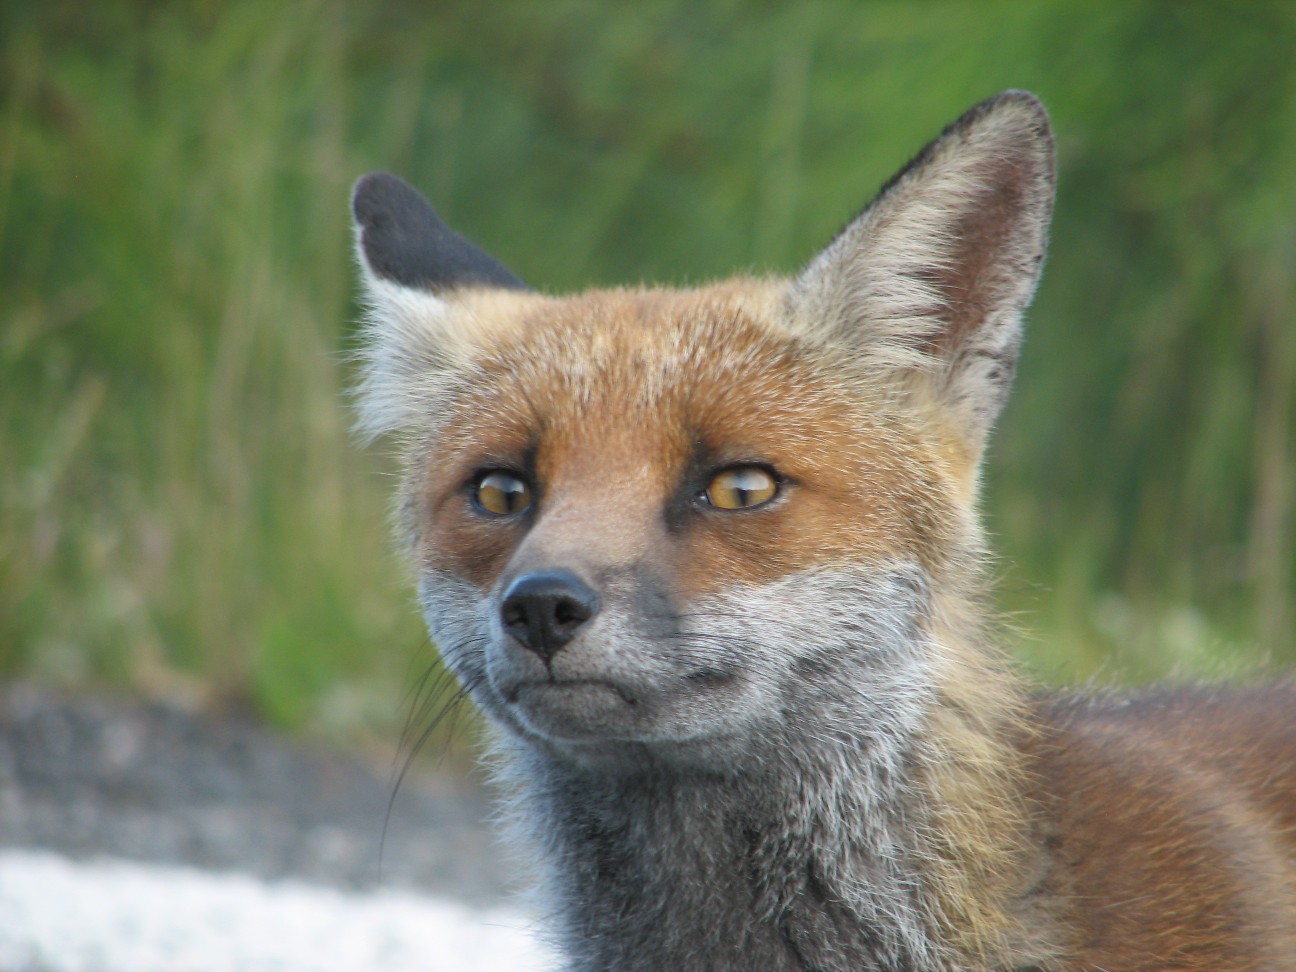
<point x="411" y="264"/>
<point x="401" y="240"/>
<point x="932" y="278"/>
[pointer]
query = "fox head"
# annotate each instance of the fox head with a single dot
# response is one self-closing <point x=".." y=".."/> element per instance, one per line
<point x="694" y="526"/>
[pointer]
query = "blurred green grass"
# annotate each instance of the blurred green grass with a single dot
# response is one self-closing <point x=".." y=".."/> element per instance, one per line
<point x="182" y="509"/>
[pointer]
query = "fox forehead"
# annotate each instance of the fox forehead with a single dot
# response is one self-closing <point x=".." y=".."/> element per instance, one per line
<point x="622" y="404"/>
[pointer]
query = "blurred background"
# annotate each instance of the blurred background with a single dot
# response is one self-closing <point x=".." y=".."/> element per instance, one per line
<point x="183" y="511"/>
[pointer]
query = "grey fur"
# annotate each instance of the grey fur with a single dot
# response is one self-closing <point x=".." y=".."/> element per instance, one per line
<point x="780" y="842"/>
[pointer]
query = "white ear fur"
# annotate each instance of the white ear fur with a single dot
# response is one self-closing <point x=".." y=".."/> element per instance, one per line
<point x="414" y="269"/>
<point x="406" y="342"/>
<point x="932" y="278"/>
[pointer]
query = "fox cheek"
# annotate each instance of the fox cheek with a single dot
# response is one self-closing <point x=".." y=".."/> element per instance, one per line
<point x="453" y="544"/>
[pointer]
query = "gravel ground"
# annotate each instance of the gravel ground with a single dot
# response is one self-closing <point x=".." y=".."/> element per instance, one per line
<point x="139" y="836"/>
<point x="92" y="776"/>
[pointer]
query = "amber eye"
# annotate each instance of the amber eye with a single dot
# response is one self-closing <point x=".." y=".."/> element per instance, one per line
<point x="501" y="493"/>
<point x="741" y="488"/>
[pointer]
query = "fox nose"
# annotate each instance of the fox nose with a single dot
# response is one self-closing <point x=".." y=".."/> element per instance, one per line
<point x="543" y="610"/>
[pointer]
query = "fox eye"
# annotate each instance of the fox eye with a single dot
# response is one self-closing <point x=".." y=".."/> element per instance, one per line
<point x="500" y="493"/>
<point x="741" y="487"/>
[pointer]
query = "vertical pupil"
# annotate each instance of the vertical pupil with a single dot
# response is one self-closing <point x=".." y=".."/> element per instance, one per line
<point x="502" y="494"/>
<point x="736" y="489"/>
<point x="747" y="483"/>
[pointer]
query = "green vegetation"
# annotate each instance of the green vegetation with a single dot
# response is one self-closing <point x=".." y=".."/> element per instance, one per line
<point x="182" y="506"/>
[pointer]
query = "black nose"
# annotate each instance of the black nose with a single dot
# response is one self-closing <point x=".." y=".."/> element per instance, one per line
<point x="544" y="609"/>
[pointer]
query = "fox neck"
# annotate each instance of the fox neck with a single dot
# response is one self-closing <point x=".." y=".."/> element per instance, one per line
<point x="902" y="849"/>
<point x="700" y="873"/>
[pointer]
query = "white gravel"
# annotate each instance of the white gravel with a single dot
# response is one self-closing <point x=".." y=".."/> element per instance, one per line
<point x="58" y="915"/>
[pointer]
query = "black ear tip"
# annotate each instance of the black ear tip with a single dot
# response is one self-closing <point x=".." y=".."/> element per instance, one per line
<point x="402" y="239"/>
<point x="366" y="190"/>
<point x="379" y="195"/>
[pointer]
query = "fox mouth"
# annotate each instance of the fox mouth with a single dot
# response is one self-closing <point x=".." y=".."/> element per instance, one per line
<point x="602" y="711"/>
<point x="565" y="686"/>
<point x="576" y="710"/>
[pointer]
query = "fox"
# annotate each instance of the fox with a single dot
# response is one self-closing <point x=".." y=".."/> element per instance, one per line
<point x="710" y="562"/>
